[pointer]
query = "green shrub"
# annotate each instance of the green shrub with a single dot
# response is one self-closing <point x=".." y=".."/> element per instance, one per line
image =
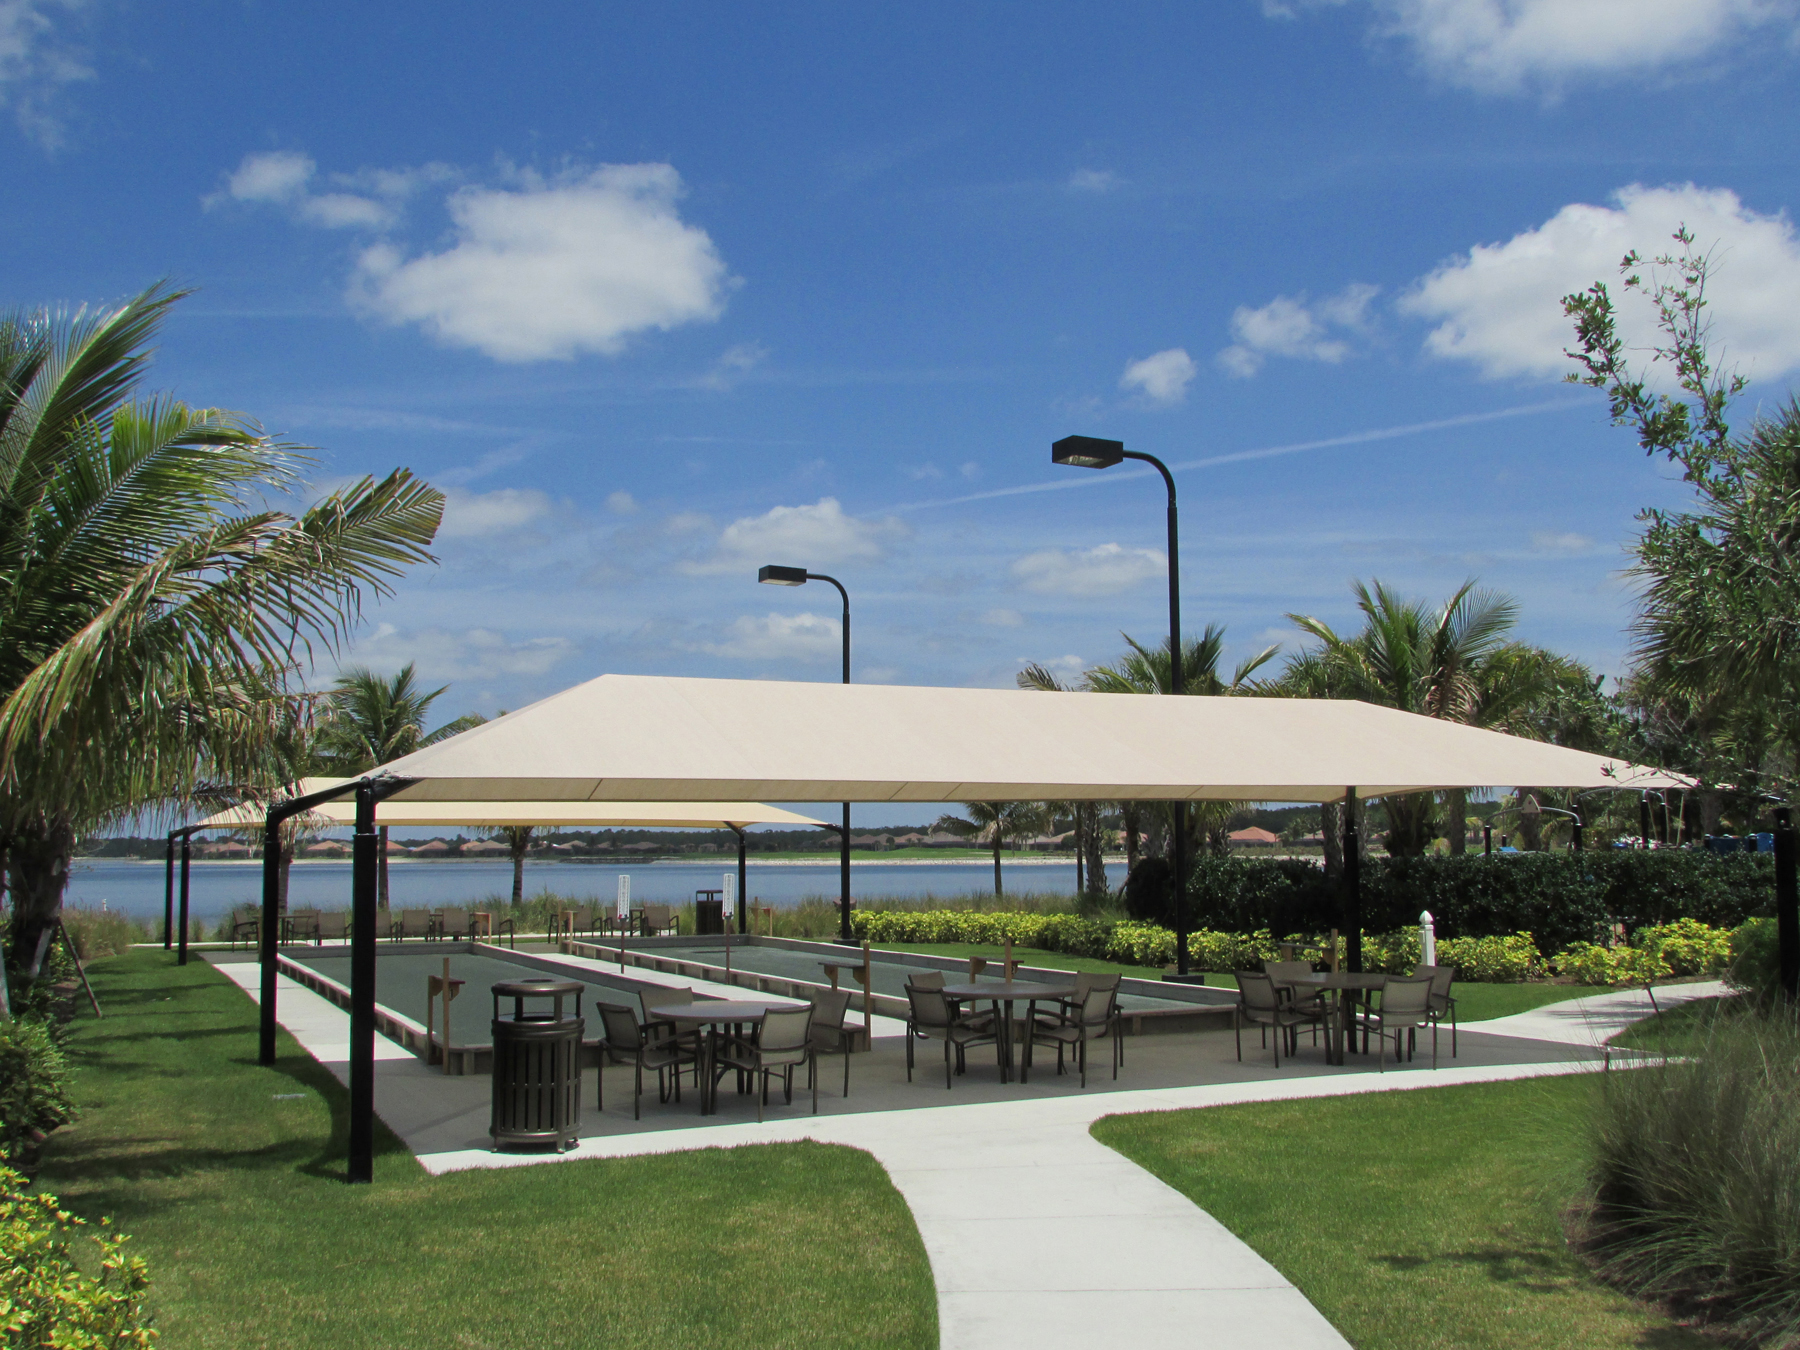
<point x="1756" y="960"/>
<point x="46" y="1298"/>
<point x="1696" y="1176"/>
<point x="1687" y="946"/>
<point x="34" y="1085"/>
<point x="1586" y="963"/>
<point x="1492" y="960"/>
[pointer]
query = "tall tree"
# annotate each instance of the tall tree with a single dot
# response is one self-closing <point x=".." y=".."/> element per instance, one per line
<point x="999" y="821"/>
<point x="150" y="606"/>
<point x="375" y="719"/>
<point x="1090" y="843"/>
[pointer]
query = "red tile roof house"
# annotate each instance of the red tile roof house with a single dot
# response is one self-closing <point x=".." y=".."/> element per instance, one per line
<point x="1254" y="836"/>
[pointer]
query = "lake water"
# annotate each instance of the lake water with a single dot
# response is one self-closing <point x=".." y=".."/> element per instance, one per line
<point x="214" y="888"/>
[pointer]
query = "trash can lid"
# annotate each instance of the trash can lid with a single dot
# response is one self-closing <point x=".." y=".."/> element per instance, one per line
<point x="529" y="988"/>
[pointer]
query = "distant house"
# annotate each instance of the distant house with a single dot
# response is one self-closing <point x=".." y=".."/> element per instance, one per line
<point x="479" y="847"/>
<point x="396" y="849"/>
<point x="1047" y="843"/>
<point x="434" y="848"/>
<point x="944" y="839"/>
<point x="324" y="848"/>
<point x="871" y="841"/>
<point x="913" y="840"/>
<point x="643" y="846"/>
<point x="1254" y="837"/>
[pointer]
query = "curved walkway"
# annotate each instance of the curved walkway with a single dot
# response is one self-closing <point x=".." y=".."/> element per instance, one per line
<point x="1036" y="1231"/>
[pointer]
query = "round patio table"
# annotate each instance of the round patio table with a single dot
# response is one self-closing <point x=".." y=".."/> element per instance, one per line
<point x="1003" y="994"/>
<point x="1337" y="983"/>
<point x="715" y="1013"/>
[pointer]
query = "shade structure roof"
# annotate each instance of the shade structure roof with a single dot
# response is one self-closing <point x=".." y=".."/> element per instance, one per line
<point x="494" y="814"/>
<point x="644" y="738"/>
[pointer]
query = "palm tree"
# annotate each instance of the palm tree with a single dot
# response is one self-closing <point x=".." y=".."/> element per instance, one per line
<point x="375" y="719"/>
<point x="997" y="820"/>
<point x="152" y="611"/>
<point x="1412" y="657"/>
<point x="1090" y="850"/>
<point x="518" y="843"/>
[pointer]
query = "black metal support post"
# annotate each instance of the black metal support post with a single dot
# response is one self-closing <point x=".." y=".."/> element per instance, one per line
<point x="1787" y="904"/>
<point x="1644" y="818"/>
<point x="169" y="894"/>
<point x="365" y="895"/>
<point x="1352" y="885"/>
<point x="1575" y="836"/>
<point x="187" y="857"/>
<point x="1487" y="841"/>
<point x="742" y="901"/>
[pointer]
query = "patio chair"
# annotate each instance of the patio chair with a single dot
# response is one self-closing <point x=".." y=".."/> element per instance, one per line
<point x="829" y="1034"/>
<point x="927" y="979"/>
<point x="1405" y="1007"/>
<point x="660" y="920"/>
<point x="455" y="923"/>
<point x="246" y="923"/>
<point x="783" y="1043"/>
<point x="1443" y="1002"/>
<point x="930" y="1015"/>
<point x="412" y="923"/>
<point x="302" y="924"/>
<point x="627" y="1042"/>
<point x="588" y="919"/>
<point x="1261" y="1004"/>
<point x="335" y="926"/>
<point x="651" y="999"/>
<point x="1064" y="1009"/>
<point x="1309" y="1000"/>
<point x="1095" y="1016"/>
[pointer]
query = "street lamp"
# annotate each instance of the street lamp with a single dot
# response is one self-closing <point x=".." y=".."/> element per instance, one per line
<point x="799" y="576"/>
<point x="1531" y="806"/>
<point x="1091" y="452"/>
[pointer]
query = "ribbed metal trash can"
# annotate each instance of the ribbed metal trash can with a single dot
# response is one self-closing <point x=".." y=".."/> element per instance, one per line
<point x="537" y="1065"/>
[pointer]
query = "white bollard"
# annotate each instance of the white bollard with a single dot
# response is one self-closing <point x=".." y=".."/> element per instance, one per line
<point x="624" y="910"/>
<point x="1427" y="938"/>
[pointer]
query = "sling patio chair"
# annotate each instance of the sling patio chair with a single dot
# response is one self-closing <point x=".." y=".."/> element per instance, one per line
<point x="246" y="923"/>
<point x="1064" y="1009"/>
<point x="829" y="1034"/>
<point x="588" y="919"/>
<point x="783" y="1042"/>
<point x="1443" y="1002"/>
<point x="660" y="921"/>
<point x="1405" y="1007"/>
<point x="931" y="1016"/>
<point x="1096" y="1015"/>
<point x="1260" y="1003"/>
<point x="412" y="923"/>
<point x="300" y="925"/>
<point x="455" y="923"/>
<point x="1300" y="997"/>
<point x="335" y="926"/>
<point x="653" y="997"/>
<point x="627" y="1042"/>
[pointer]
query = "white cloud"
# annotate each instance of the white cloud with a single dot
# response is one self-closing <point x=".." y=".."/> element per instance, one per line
<point x="1499" y="305"/>
<point x="1162" y="378"/>
<point x="1503" y="45"/>
<point x="345" y="210"/>
<point x="820" y="535"/>
<point x="1549" y="541"/>
<point x="969" y="469"/>
<point x="554" y="268"/>
<point x="1093" y="180"/>
<point x="780" y="637"/>
<point x="473" y="515"/>
<point x="466" y="654"/>
<point x="733" y="364"/>
<point x="1003" y="618"/>
<point x="277" y="176"/>
<point x="621" y="503"/>
<point x="36" y="60"/>
<point x="1105" y="570"/>
<point x="1294" y="326"/>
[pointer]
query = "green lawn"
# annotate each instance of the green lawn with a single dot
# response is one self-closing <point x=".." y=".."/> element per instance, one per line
<point x="1679" y="1029"/>
<point x="229" y="1178"/>
<point x="1421" y="1220"/>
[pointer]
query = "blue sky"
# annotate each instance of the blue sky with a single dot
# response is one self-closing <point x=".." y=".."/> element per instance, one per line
<point x="663" y="293"/>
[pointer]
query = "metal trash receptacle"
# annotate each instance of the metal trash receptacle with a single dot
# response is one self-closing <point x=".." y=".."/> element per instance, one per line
<point x="709" y="917"/>
<point x="537" y="1065"/>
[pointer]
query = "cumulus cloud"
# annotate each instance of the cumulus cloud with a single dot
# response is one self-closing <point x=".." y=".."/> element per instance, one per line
<point x="475" y="515"/>
<point x="1497" y="306"/>
<point x="1105" y="570"/>
<point x="1505" y="45"/>
<point x="277" y="176"/>
<point x="553" y="268"/>
<point x="37" y="58"/>
<point x="780" y="637"/>
<point x="1093" y="180"/>
<point x="621" y="503"/>
<point x="1295" y="326"/>
<point x="466" y="654"/>
<point x="820" y="535"/>
<point x="734" y="364"/>
<point x="1163" y="378"/>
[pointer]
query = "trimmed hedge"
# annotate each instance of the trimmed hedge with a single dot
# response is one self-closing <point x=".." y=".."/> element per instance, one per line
<point x="1564" y="898"/>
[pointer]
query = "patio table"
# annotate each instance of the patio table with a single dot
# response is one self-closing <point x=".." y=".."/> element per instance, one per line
<point x="714" y="1013"/>
<point x="1003" y="994"/>
<point x="1337" y="983"/>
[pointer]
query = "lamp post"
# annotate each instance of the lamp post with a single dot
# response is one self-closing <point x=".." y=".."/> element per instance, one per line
<point x="798" y="576"/>
<point x="1090" y="452"/>
<point x="1531" y="806"/>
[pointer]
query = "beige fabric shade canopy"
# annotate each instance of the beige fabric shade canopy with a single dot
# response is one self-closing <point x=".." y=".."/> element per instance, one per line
<point x="495" y="814"/>
<point x="640" y="738"/>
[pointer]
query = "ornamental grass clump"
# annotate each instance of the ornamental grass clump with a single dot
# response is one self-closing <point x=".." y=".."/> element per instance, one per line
<point x="1696" y="1176"/>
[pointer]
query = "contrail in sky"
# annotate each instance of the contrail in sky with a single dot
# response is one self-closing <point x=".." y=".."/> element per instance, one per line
<point x="1267" y="452"/>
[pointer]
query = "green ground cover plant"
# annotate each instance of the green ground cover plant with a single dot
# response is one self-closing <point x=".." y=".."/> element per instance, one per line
<point x="35" y="1093"/>
<point x="1696" y="1172"/>
<point x="53" y="1293"/>
<point x="229" y="1177"/>
<point x="1413" y="1220"/>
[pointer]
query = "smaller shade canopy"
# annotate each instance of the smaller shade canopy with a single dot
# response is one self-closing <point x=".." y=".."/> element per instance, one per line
<point x="479" y="815"/>
<point x="646" y="737"/>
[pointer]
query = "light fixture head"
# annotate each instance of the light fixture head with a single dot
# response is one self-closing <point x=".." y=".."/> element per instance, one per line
<point x="1530" y="806"/>
<point x="782" y="576"/>
<point x="1087" y="452"/>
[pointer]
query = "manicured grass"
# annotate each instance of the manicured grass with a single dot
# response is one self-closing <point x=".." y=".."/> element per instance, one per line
<point x="1680" y="1028"/>
<point x="229" y="1178"/>
<point x="1420" y="1220"/>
